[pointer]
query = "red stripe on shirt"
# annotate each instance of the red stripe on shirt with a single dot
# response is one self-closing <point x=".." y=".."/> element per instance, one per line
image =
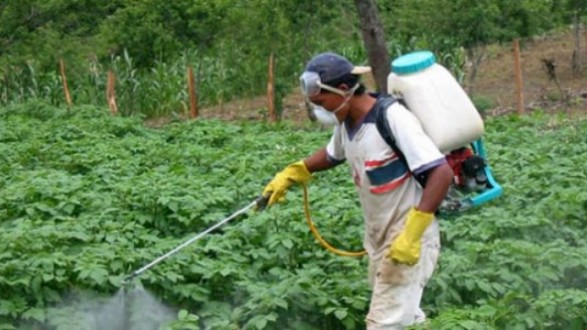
<point x="375" y="163"/>
<point x="391" y="185"/>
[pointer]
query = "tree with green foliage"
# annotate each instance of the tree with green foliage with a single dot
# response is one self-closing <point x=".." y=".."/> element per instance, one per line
<point x="42" y="31"/>
<point x="449" y="24"/>
<point x="229" y="42"/>
<point x="153" y="30"/>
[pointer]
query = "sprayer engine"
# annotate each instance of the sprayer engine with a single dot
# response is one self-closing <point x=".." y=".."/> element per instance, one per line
<point x="468" y="169"/>
<point x="473" y="182"/>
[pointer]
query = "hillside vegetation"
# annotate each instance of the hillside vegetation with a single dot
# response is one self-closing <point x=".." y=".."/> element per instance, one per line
<point x="149" y="44"/>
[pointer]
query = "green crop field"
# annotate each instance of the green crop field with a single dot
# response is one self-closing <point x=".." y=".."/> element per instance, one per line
<point x="86" y="198"/>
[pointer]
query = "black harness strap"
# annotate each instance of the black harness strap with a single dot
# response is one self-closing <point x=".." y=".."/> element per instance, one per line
<point x="381" y="106"/>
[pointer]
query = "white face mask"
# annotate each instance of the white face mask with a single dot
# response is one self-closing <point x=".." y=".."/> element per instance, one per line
<point x="324" y="116"/>
<point x="329" y="117"/>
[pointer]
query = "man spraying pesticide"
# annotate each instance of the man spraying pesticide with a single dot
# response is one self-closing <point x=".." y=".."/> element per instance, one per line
<point x="400" y="171"/>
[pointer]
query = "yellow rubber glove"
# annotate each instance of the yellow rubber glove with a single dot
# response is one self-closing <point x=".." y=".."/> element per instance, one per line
<point x="293" y="173"/>
<point x="406" y="247"/>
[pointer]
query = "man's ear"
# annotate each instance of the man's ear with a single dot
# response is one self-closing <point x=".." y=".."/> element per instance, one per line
<point x="344" y="87"/>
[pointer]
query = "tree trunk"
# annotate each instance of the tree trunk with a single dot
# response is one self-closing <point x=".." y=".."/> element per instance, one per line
<point x="475" y="56"/>
<point x="307" y="32"/>
<point x="374" y="40"/>
<point x="577" y="61"/>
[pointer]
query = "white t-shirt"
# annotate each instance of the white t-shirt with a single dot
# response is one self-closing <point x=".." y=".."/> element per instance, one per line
<point x="387" y="190"/>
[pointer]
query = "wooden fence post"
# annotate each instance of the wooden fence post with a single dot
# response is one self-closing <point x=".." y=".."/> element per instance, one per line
<point x="64" y="80"/>
<point x="111" y="93"/>
<point x="271" y="92"/>
<point x="192" y="94"/>
<point x="519" y="78"/>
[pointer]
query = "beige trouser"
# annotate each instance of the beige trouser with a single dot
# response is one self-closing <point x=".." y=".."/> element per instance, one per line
<point x="397" y="288"/>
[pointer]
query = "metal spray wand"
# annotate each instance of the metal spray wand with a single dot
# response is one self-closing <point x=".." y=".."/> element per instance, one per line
<point x="260" y="202"/>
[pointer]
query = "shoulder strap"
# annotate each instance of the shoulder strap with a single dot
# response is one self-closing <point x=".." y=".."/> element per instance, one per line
<point x="383" y="103"/>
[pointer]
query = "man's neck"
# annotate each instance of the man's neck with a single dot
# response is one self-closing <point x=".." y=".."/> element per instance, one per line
<point x="359" y="108"/>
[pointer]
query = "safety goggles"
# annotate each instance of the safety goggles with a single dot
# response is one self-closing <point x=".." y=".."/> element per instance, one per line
<point x="311" y="85"/>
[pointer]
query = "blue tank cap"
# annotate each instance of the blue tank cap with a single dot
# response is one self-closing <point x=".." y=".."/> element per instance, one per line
<point x="413" y="62"/>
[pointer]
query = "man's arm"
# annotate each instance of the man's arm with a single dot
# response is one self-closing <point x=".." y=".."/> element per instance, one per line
<point x="319" y="161"/>
<point x="298" y="172"/>
<point x="437" y="185"/>
<point x="406" y="247"/>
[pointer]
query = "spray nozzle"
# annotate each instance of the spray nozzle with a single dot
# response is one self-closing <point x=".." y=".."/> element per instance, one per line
<point x="127" y="280"/>
<point x="261" y="202"/>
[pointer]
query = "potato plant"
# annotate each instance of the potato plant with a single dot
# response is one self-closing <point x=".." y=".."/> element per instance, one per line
<point x="86" y="198"/>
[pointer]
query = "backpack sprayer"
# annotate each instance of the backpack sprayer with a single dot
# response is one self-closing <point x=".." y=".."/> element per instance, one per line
<point x="450" y="119"/>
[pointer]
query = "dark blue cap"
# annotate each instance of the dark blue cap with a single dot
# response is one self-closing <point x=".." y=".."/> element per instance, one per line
<point x="331" y="66"/>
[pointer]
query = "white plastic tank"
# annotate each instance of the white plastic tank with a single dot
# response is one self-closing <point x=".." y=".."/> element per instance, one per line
<point x="430" y="91"/>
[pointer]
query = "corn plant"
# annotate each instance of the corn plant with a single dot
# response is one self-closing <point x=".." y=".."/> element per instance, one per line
<point x="161" y="90"/>
<point x="89" y="87"/>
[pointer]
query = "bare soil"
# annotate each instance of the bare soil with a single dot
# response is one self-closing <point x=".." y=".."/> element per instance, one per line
<point x="494" y="87"/>
<point x="496" y="79"/>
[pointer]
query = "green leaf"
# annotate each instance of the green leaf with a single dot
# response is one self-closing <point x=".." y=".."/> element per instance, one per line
<point x="280" y="302"/>
<point x="288" y="243"/>
<point x="98" y="275"/>
<point x="349" y="323"/>
<point x="68" y="209"/>
<point x="173" y="206"/>
<point x="261" y="323"/>
<point x="341" y="313"/>
<point x="36" y="314"/>
<point x="6" y="326"/>
<point x="7" y="307"/>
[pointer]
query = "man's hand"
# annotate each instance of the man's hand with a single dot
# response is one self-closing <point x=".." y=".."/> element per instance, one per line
<point x="406" y="247"/>
<point x="293" y="173"/>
